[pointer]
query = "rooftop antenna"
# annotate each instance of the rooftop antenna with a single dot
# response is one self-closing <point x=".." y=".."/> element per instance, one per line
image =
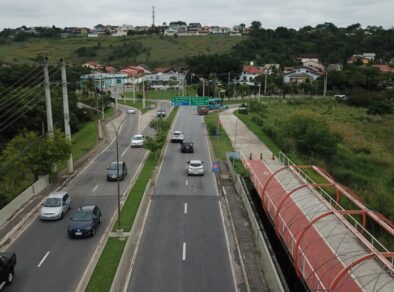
<point x="153" y="16"/>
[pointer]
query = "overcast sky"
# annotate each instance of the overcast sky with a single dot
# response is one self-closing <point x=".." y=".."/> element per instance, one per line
<point x="271" y="13"/>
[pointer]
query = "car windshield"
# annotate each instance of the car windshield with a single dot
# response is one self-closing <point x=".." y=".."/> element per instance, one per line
<point x="187" y="143"/>
<point x="137" y="138"/>
<point x="53" y="202"/>
<point x="177" y="133"/>
<point x="114" y="164"/>
<point x="195" y="164"/>
<point x="82" y="216"/>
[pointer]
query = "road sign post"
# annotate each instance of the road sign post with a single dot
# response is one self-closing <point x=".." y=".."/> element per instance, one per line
<point x="189" y="101"/>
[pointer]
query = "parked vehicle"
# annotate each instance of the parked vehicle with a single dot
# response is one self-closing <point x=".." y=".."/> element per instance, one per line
<point x="177" y="136"/>
<point x="112" y="171"/>
<point x="131" y="111"/>
<point x="84" y="221"/>
<point x="195" y="167"/>
<point x="7" y="267"/>
<point x="55" y="206"/>
<point x="137" y="141"/>
<point x="161" y="113"/>
<point x="187" y="147"/>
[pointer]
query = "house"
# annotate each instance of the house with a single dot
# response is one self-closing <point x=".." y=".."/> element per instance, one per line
<point x="123" y="30"/>
<point x="300" y="75"/>
<point x="369" y="56"/>
<point x="306" y="58"/>
<point x="287" y="70"/>
<point x="99" y="29"/>
<point x="135" y="71"/>
<point x="165" y="80"/>
<point x="105" y="81"/>
<point x="249" y="73"/>
<point x="271" y="67"/>
<point x="358" y="58"/>
<point x="194" y="27"/>
<point x="314" y="65"/>
<point x="384" y="68"/>
<point x="108" y="69"/>
<point x="162" y="70"/>
<point x="235" y="33"/>
<point x="220" y="30"/>
<point x="93" y="65"/>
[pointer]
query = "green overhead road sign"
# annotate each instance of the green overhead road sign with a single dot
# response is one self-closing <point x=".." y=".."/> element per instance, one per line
<point x="199" y="100"/>
<point x="189" y="100"/>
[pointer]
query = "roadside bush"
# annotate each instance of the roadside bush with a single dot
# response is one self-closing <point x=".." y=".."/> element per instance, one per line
<point x="380" y="108"/>
<point x="258" y="120"/>
<point x="311" y="135"/>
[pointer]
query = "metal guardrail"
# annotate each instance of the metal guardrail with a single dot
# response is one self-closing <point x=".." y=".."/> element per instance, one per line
<point x="323" y="195"/>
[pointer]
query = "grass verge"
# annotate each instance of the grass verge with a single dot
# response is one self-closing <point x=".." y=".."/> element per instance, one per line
<point x="106" y="268"/>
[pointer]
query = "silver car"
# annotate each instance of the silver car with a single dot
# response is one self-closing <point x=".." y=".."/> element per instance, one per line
<point x="55" y="206"/>
<point x="195" y="167"/>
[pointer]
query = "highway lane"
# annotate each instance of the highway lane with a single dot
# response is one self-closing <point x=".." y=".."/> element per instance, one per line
<point x="183" y="245"/>
<point x="47" y="259"/>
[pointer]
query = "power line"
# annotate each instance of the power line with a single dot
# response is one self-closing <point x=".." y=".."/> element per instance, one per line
<point x="22" y="114"/>
<point x="11" y="99"/>
<point x="20" y="79"/>
<point x="4" y="98"/>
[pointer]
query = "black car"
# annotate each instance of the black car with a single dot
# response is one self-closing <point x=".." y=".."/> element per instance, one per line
<point x="161" y="113"/>
<point x="84" y="221"/>
<point x="187" y="147"/>
<point x="7" y="266"/>
<point x="112" y="171"/>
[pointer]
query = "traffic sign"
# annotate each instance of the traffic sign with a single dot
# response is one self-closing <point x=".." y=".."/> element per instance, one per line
<point x="180" y="100"/>
<point x="190" y="100"/>
<point x="199" y="100"/>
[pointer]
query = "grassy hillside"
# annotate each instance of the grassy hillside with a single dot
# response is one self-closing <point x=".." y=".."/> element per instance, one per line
<point x="162" y="50"/>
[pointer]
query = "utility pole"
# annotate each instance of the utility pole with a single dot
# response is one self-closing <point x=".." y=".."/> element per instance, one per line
<point x="133" y="89"/>
<point x="48" y="99"/>
<point x="143" y="92"/>
<point x="325" y="84"/>
<point x="203" y="87"/>
<point x="67" y="130"/>
<point x="265" y="82"/>
<point x="260" y="90"/>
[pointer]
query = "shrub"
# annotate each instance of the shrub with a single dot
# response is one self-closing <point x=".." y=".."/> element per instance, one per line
<point x="380" y="108"/>
<point x="311" y="135"/>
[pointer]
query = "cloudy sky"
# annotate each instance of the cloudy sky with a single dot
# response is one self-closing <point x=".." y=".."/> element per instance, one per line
<point x="271" y="13"/>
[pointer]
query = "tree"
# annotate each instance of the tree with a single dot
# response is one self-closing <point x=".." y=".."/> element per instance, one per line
<point x="38" y="154"/>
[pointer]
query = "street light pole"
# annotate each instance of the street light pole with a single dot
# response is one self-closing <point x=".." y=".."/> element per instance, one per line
<point x="116" y="130"/>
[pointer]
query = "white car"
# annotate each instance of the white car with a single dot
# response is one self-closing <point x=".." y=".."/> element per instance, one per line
<point x="177" y="136"/>
<point x="55" y="206"/>
<point x="131" y="111"/>
<point x="137" y="141"/>
<point x="195" y="167"/>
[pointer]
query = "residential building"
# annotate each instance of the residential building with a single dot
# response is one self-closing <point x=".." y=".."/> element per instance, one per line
<point x="93" y="65"/>
<point x="105" y="81"/>
<point x="220" y="30"/>
<point x="165" y="80"/>
<point x="123" y="30"/>
<point x="384" y="68"/>
<point x="300" y="75"/>
<point x="287" y="70"/>
<point x="249" y="73"/>
<point x="99" y="29"/>
<point x="194" y="27"/>
<point x="314" y="65"/>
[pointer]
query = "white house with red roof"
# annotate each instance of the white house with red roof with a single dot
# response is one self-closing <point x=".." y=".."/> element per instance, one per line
<point x="93" y="65"/>
<point x="249" y="73"/>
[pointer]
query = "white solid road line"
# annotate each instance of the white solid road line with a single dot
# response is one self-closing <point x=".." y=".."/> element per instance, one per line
<point x="43" y="259"/>
<point x="124" y="152"/>
<point x="184" y="252"/>
<point x="185" y="209"/>
<point x="95" y="188"/>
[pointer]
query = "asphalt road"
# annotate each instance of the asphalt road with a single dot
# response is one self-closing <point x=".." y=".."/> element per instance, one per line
<point x="183" y="245"/>
<point x="47" y="260"/>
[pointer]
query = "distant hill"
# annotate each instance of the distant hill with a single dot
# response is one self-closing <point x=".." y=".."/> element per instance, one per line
<point x="117" y="51"/>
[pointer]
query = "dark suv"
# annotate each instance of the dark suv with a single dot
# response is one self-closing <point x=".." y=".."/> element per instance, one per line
<point x="112" y="171"/>
<point x="187" y="147"/>
<point x="84" y="221"/>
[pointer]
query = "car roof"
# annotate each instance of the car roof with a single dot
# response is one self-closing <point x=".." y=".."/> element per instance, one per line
<point x="177" y="131"/>
<point x="195" y="161"/>
<point x="138" y="135"/>
<point x="187" y="142"/>
<point x="57" y="194"/>
<point x="120" y="162"/>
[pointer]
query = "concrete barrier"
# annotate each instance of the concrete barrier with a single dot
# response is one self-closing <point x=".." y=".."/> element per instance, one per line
<point x="270" y="272"/>
<point x="8" y="211"/>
